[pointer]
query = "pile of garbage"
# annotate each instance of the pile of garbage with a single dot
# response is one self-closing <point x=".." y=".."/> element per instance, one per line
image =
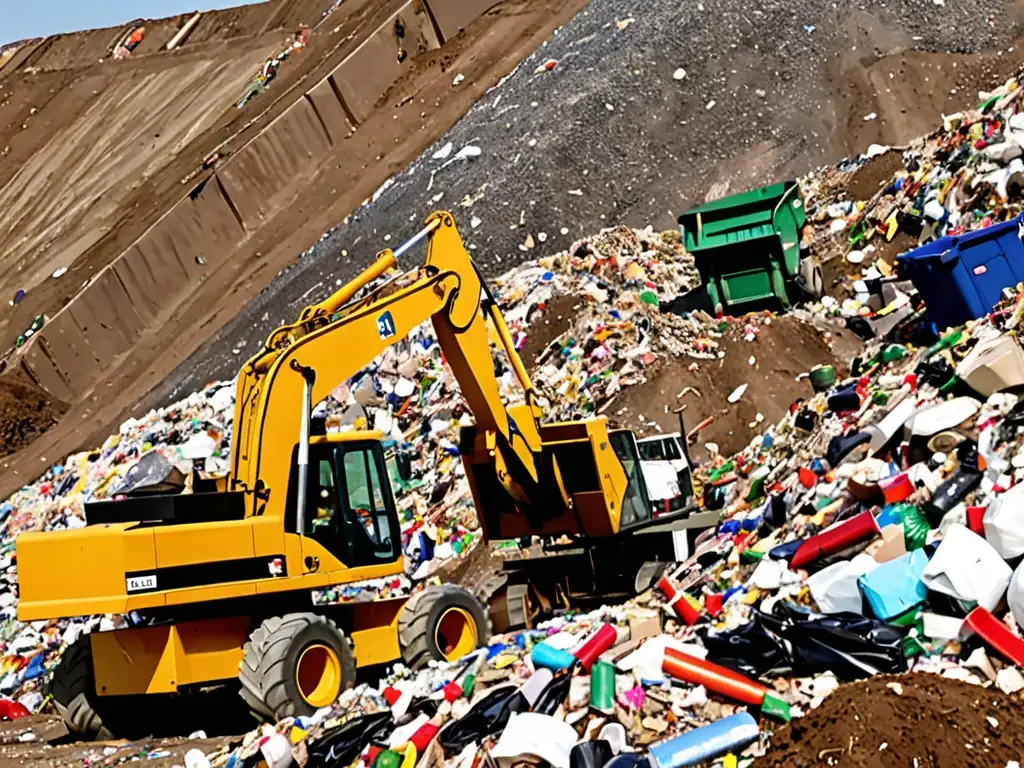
<point x="874" y="530"/>
<point x="616" y="334"/>
<point x="965" y="176"/>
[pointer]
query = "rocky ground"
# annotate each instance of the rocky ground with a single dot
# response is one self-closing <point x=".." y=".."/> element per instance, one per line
<point x="617" y="133"/>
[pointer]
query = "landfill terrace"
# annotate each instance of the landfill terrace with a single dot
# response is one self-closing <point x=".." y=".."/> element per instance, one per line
<point x="854" y="592"/>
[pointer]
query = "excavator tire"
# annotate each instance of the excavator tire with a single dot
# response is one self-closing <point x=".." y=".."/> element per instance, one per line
<point x="443" y="622"/>
<point x="294" y="665"/>
<point x="74" y="692"/>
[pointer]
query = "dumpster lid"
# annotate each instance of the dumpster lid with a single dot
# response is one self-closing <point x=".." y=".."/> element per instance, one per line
<point x="942" y="246"/>
<point x="772" y="192"/>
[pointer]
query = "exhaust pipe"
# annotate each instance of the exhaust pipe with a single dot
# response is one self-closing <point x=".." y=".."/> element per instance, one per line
<point x="308" y="377"/>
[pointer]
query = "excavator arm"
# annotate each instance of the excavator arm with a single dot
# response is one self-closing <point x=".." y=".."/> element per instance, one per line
<point x="526" y="477"/>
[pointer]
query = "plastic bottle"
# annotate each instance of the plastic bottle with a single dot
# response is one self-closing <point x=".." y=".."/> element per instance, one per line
<point x="598" y="643"/>
<point x="547" y="656"/>
<point x="726" y="735"/>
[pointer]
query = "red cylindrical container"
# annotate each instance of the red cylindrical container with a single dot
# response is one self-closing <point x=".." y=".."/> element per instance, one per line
<point x="996" y="634"/>
<point x="717" y="679"/>
<point x="598" y="643"/>
<point x="452" y="691"/>
<point x="667" y="588"/>
<point x="847" y="533"/>
<point x="975" y="516"/>
<point x="897" y="489"/>
<point x="678" y="601"/>
<point x="713" y="604"/>
<point x="423" y="736"/>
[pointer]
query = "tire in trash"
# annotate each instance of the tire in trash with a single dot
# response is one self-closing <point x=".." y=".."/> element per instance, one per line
<point x="74" y="692"/>
<point x="443" y="622"/>
<point x="295" y="664"/>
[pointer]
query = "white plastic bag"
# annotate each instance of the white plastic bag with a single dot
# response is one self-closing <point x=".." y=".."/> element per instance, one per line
<point x="1015" y="595"/>
<point x="835" y="588"/>
<point x="968" y="568"/>
<point x="1004" y="523"/>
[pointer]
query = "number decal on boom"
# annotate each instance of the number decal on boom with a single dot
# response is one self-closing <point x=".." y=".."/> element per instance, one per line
<point x="386" y="326"/>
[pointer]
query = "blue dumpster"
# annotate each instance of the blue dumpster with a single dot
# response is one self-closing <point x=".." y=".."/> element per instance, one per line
<point x="961" y="277"/>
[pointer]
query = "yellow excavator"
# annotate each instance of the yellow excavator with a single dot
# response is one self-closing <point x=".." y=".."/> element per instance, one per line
<point x="290" y="574"/>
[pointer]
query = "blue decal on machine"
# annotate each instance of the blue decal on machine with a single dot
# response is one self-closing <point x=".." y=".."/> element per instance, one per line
<point x="386" y="326"/>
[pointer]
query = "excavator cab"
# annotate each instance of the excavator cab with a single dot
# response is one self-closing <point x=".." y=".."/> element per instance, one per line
<point x="350" y="508"/>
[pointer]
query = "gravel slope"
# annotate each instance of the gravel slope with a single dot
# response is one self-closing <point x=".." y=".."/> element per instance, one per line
<point x="610" y="135"/>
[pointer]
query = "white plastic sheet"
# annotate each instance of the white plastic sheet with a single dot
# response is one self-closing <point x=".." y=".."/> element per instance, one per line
<point x="835" y="588"/>
<point x="967" y="567"/>
<point x="1004" y="523"/>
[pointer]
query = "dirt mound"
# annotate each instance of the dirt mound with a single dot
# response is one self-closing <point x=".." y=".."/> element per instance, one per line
<point x="554" y="318"/>
<point x="870" y="177"/>
<point x="906" y="720"/>
<point x="26" y="411"/>
<point x="782" y="351"/>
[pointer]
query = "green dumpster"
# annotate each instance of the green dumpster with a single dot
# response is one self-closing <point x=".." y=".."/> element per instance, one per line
<point x="747" y="249"/>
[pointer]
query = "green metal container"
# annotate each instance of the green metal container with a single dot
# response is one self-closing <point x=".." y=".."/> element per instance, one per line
<point x="747" y="249"/>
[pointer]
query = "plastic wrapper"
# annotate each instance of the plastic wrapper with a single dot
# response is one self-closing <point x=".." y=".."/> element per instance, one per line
<point x="850" y="646"/>
<point x="1004" y="523"/>
<point x="968" y="568"/>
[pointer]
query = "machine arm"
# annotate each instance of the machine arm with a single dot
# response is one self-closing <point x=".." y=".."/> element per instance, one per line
<point x="340" y="336"/>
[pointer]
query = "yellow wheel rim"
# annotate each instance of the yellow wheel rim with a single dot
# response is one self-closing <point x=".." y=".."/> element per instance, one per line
<point x="455" y="634"/>
<point x="318" y="675"/>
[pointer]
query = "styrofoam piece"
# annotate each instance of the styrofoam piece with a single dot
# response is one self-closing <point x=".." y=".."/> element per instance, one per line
<point x="993" y="365"/>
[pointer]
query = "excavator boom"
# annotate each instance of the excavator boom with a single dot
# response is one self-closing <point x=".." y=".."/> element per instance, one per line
<point x="514" y="463"/>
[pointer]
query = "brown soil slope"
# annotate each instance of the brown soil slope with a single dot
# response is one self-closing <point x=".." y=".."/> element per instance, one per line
<point x="93" y="148"/>
<point x="414" y="112"/>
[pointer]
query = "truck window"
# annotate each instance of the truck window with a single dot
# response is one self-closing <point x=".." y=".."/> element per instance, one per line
<point x="672" y="452"/>
<point x="651" y="450"/>
<point x="636" y="504"/>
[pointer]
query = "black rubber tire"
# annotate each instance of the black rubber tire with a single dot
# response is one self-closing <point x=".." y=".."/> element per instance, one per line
<point x="419" y="618"/>
<point x="267" y="672"/>
<point x="74" y="692"/>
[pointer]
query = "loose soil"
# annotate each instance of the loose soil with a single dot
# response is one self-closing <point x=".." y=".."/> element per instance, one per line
<point x="47" y="744"/>
<point x="870" y="177"/>
<point x="26" y="411"/>
<point x="931" y="722"/>
<point x="550" y="321"/>
<point x="782" y="351"/>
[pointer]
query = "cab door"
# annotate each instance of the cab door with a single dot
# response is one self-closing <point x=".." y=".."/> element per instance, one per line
<point x="350" y="518"/>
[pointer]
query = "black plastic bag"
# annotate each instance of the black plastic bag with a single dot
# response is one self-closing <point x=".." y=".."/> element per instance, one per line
<point x="851" y="646"/>
<point x="339" y="747"/>
<point x="590" y="754"/>
<point x="488" y="717"/>
<point x="749" y="650"/>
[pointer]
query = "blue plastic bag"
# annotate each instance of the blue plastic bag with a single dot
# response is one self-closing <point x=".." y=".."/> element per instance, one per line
<point x="895" y="587"/>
